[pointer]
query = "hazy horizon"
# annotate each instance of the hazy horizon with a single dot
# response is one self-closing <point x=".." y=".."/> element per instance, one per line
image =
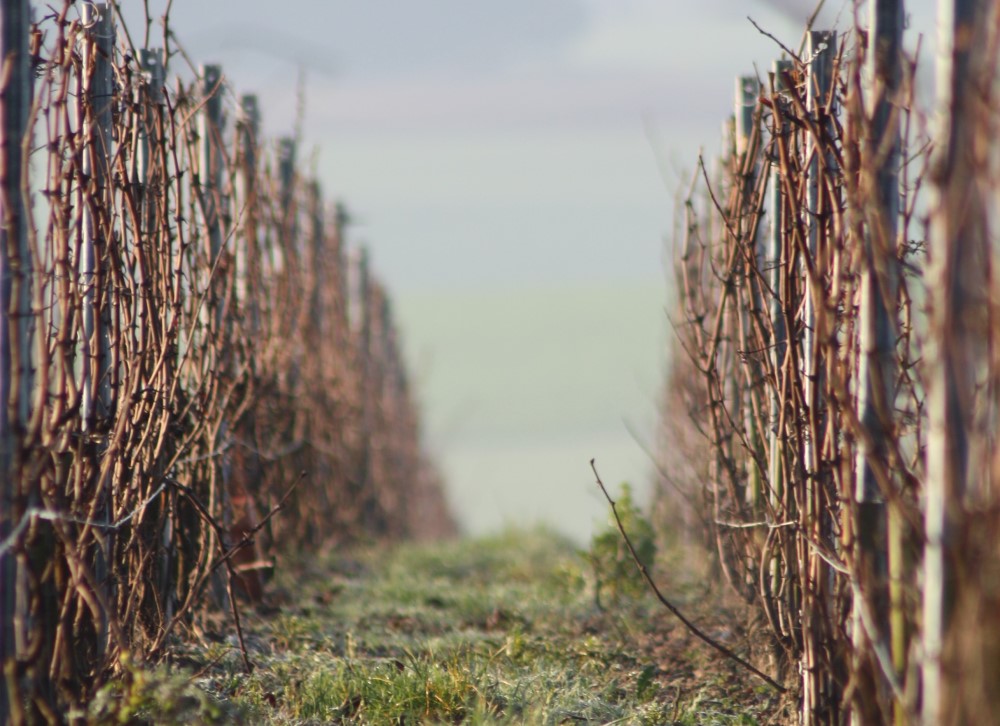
<point x="524" y="386"/>
<point x="512" y="168"/>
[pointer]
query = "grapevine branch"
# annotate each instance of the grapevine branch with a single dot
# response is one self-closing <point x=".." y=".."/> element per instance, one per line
<point x="670" y="606"/>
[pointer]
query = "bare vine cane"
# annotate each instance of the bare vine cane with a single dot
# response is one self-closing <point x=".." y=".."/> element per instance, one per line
<point x="670" y="606"/>
<point x="227" y="553"/>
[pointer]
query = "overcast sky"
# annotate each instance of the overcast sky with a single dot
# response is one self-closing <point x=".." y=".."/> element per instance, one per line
<point x="512" y="165"/>
<point x="499" y="142"/>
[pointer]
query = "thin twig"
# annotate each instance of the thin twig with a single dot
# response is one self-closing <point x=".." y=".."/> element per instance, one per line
<point x="227" y="554"/>
<point x="220" y="534"/>
<point x="810" y="23"/>
<point x="668" y="605"/>
<point x="248" y="537"/>
<point x="785" y="48"/>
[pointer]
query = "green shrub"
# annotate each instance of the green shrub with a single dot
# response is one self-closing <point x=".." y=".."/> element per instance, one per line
<point x="614" y="571"/>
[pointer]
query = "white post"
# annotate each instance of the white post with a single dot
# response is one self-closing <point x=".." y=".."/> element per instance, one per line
<point x="210" y="169"/>
<point x="876" y="391"/>
<point x="957" y="285"/>
<point x="747" y="92"/>
<point x="16" y="371"/>
<point x="245" y="253"/>
<point x="361" y="304"/>
<point x="149" y="98"/>
<point x="98" y="97"/>
<point x="286" y="175"/>
<point x="822" y="50"/>
<point x="342" y="220"/>
<point x="286" y="171"/>
<point x="774" y="263"/>
<point x="317" y="315"/>
<point x="877" y="336"/>
<point x="286" y="180"/>
<point x="747" y="89"/>
<point x="151" y="62"/>
<point x="210" y="157"/>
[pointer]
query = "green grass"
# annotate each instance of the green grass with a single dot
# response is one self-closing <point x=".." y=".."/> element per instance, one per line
<point x="494" y="631"/>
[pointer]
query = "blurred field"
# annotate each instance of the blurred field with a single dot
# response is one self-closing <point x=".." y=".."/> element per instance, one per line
<point x="522" y="387"/>
<point x="497" y="630"/>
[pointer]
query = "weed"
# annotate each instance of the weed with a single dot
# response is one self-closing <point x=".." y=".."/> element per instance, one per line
<point x="612" y="566"/>
<point x="157" y="696"/>
<point x="489" y="632"/>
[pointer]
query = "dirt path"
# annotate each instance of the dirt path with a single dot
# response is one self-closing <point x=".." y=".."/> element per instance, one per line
<point x="503" y="630"/>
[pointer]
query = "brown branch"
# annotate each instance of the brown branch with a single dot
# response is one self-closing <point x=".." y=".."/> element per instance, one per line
<point x="248" y="537"/>
<point x="227" y="553"/>
<point x="220" y="534"/>
<point x="785" y="48"/>
<point x="668" y="605"/>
